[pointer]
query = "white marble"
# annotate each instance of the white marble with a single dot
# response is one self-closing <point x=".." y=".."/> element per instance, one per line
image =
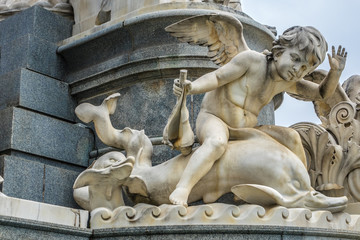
<point x="20" y="208"/>
<point x="257" y="169"/>
<point x="221" y="214"/>
<point x="333" y="147"/>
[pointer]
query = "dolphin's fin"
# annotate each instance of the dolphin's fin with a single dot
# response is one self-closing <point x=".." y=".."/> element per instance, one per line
<point x="111" y="102"/>
<point x="137" y="185"/>
<point x="257" y="194"/>
<point x="114" y="176"/>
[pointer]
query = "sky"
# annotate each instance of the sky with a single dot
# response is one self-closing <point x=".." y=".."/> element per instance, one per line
<point x="337" y="20"/>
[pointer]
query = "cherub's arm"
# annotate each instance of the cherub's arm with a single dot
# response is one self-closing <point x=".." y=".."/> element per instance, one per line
<point x="231" y="71"/>
<point x="326" y="88"/>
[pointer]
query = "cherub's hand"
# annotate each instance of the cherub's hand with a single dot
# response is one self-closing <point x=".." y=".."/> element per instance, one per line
<point x="337" y="62"/>
<point x="178" y="89"/>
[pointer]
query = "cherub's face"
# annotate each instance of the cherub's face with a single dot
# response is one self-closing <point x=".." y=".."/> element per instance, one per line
<point x="292" y="64"/>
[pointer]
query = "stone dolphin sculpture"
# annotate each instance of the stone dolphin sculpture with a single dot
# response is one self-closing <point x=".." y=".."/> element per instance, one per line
<point x="256" y="168"/>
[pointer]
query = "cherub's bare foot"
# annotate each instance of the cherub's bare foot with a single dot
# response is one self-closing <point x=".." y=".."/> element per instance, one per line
<point x="179" y="196"/>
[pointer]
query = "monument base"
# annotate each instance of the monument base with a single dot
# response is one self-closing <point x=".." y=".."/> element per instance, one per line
<point x="15" y="228"/>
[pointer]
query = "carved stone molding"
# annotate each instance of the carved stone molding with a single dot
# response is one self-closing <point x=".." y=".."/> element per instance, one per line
<point x="220" y="214"/>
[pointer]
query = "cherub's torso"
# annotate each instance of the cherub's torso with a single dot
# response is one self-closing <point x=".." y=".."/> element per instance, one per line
<point x="239" y="102"/>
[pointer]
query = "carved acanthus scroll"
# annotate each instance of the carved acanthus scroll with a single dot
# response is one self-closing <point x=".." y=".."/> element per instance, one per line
<point x="332" y="148"/>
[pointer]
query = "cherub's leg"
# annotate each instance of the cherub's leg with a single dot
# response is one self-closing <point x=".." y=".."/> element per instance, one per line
<point x="213" y="135"/>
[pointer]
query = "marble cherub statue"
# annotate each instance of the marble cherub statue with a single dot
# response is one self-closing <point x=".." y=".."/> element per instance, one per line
<point x="256" y="168"/>
<point x="245" y="82"/>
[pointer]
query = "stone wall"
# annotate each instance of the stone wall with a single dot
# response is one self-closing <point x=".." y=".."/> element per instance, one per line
<point x="42" y="149"/>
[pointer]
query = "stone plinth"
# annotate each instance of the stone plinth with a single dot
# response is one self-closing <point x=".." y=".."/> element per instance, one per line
<point x="25" y="209"/>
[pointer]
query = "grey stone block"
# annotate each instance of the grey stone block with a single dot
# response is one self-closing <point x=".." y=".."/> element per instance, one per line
<point x="37" y="92"/>
<point x="58" y="186"/>
<point x="45" y="136"/>
<point x="14" y="55"/>
<point x="5" y="128"/>
<point x="110" y="42"/>
<point x="28" y="40"/>
<point x="38" y="179"/>
<point x="38" y="22"/>
<point x="33" y="53"/>
<point x="24" y="179"/>
<point x="42" y="58"/>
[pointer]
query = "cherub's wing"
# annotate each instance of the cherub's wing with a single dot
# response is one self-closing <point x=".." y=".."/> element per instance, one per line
<point x="221" y="33"/>
<point x="323" y="107"/>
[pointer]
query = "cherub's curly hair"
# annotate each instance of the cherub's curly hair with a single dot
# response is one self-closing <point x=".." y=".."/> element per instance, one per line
<point x="307" y="39"/>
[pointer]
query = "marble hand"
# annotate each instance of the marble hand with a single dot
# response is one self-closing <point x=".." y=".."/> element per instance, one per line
<point x="337" y="61"/>
<point x="178" y="88"/>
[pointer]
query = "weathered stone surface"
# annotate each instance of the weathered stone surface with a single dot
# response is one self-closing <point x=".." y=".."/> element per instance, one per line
<point x="36" y="92"/>
<point x="24" y="179"/>
<point x="38" y="179"/>
<point x="5" y="128"/>
<point x="29" y="51"/>
<point x="28" y="39"/>
<point x="25" y="209"/>
<point x="45" y="136"/>
<point x="246" y="232"/>
<point x="9" y="8"/>
<point x="58" y="186"/>
<point x="37" y="21"/>
<point x="138" y="56"/>
<point x="17" y="228"/>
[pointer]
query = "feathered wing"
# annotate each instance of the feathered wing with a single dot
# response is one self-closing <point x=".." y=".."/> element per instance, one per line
<point x="221" y="33"/>
<point x="323" y="107"/>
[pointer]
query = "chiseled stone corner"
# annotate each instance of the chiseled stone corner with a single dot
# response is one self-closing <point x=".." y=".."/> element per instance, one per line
<point x="1" y="180"/>
<point x="19" y="208"/>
